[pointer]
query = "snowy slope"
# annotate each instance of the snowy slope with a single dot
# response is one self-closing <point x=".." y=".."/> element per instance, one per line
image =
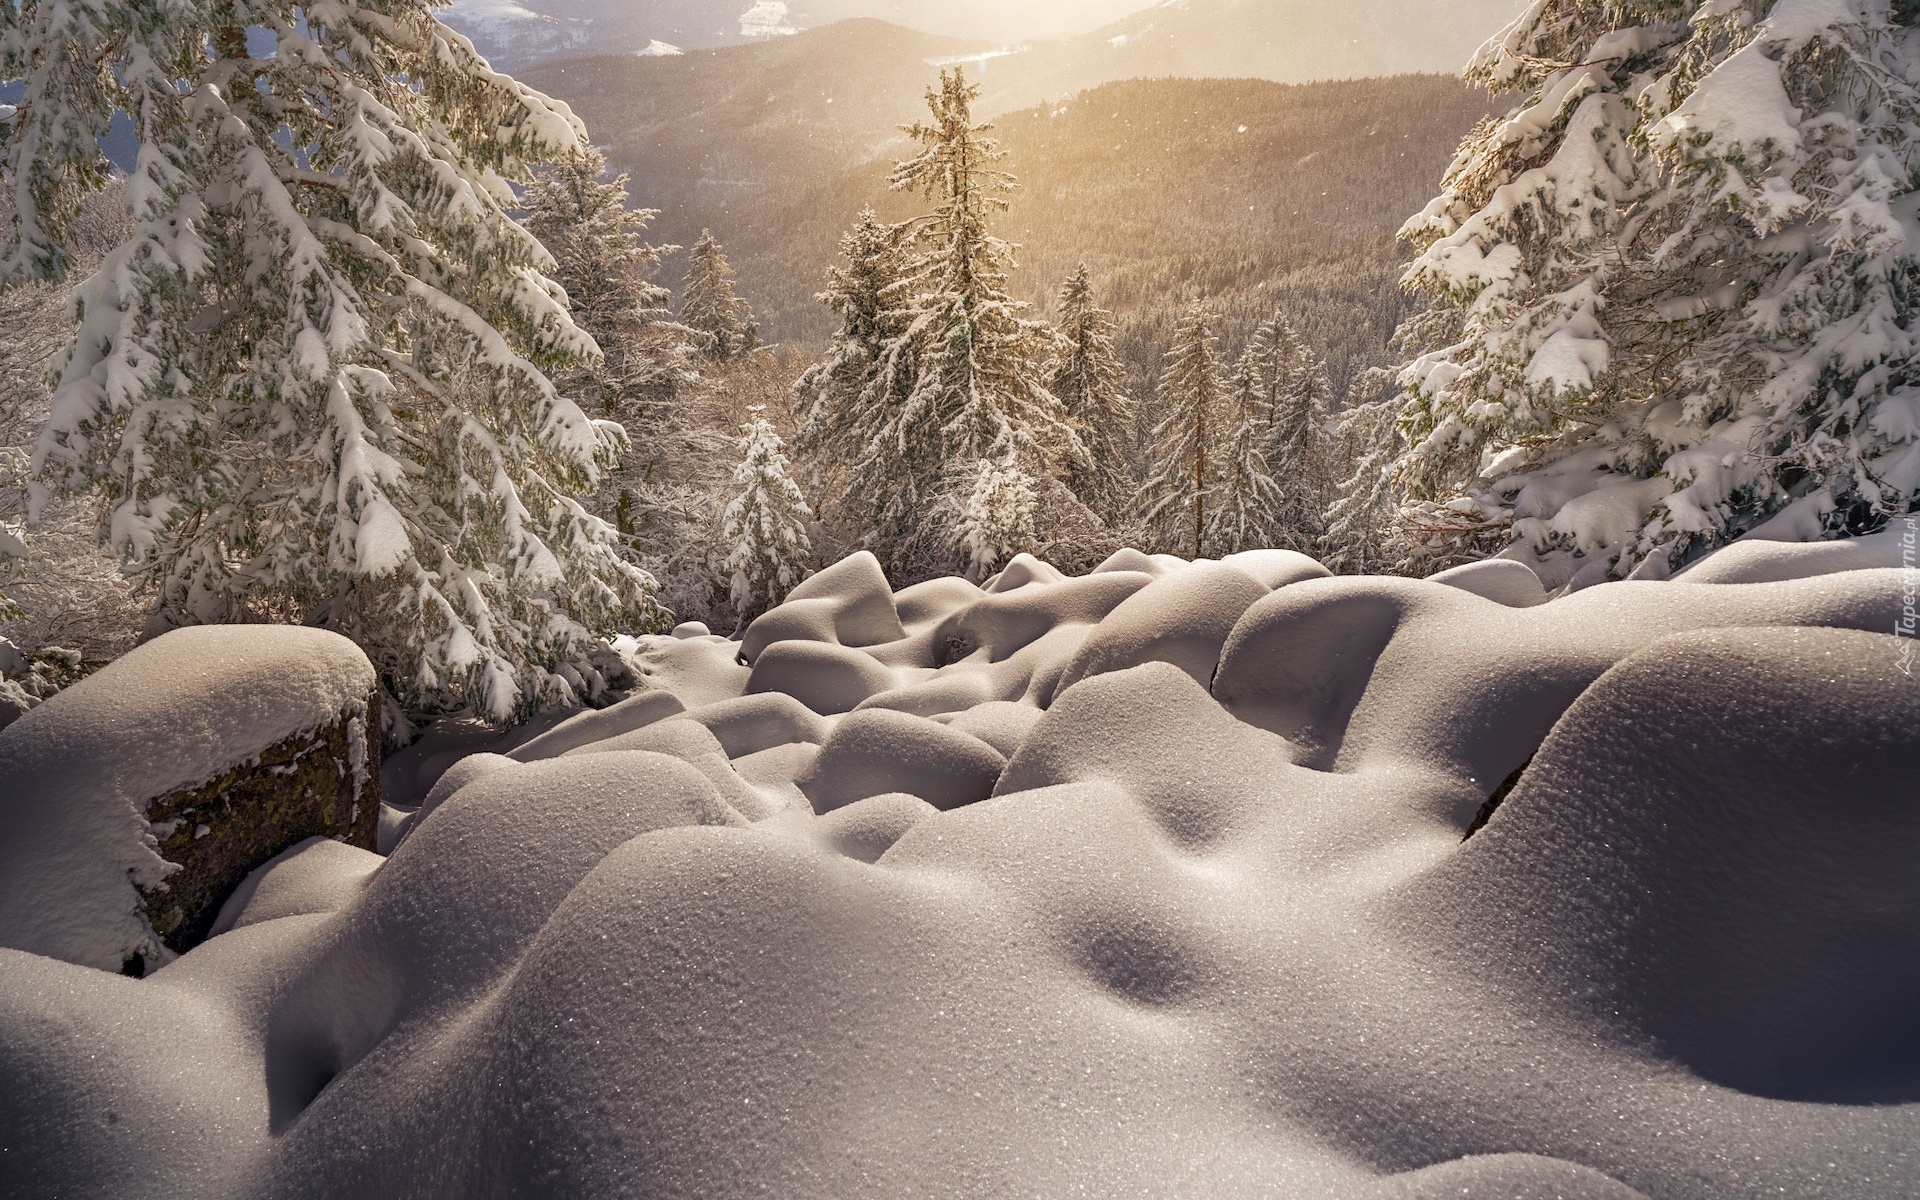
<point x="1149" y="883"/>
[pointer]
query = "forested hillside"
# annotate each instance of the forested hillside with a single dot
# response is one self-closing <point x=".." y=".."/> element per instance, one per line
<point x="514" y="35"/>
<point x="1250" y="193"/>
<point x="701" y="129"/>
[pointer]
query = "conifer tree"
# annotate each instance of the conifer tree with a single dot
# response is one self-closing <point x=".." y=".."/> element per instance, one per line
<point x="647" y="375"/>
<point x="1684" y="281"/>
<point x="603" y="261"/>
<point x="961" y="380"/>
<point x="842" y="401"/>
<point x="311" y="384"/>
<point x="1294" y="383"/>
<point x="1089" y="381"/>
<point x="996" y="517"/>
<point x="723" y="321"/>
<point x="1298" y="405"/>
<point x="1186" y="468"/>
<point x="765" y="525"/>
<point x="1360" y="514"/>
<point x="1248" y="502"/>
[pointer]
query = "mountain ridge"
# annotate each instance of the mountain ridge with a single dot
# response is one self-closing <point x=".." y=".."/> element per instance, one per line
<point x="514" y="34"/>
<point x="1291" y="41"/>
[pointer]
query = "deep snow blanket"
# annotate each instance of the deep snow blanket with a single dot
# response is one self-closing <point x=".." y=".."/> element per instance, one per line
<point x="1150" y="883"/>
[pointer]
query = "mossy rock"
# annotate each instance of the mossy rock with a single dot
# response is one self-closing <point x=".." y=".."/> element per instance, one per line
<point x="219" y="832"/>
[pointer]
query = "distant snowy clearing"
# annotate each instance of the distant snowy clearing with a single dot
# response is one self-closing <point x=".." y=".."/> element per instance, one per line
<point x="767" y="18"/>
<point x="1175" y="879"/>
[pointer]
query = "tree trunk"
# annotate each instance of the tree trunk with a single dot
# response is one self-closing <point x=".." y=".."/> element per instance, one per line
<point x="1199" y="477"/>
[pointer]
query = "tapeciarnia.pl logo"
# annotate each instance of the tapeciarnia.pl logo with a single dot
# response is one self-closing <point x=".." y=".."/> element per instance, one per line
<point x="1908" y="627"/>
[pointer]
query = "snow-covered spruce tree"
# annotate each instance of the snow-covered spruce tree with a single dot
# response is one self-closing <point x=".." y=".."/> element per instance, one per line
<point x="1298" y="406"/>
<point x="602" y="259"/>
<point x="1364" y="446"/>
<point x="723" y="321"/>
<point x="647" y="380"/>
<point x="66" y="586"/>
<point x="765" y="526"/>
<point x="842" y="402"/>
<point x="310" y="385"/>
<point x="33" y="334"/>
<point x="1248" y="503"/>
<point x="1090" y="382"/>
<point x="1685" y="273"/>
<point x="995" y="516"/>
<point x="962" y="380"/>
<point x="1186" y="466"/>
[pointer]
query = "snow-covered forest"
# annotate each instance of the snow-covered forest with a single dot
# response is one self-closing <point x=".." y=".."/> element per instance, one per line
<point x="1409" y="694"/>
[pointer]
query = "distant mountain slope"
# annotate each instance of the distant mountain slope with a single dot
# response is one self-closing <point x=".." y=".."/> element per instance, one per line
<point x="517" y="33"/>
<point x="1250" y="194"/>
<point x="511" y="35"/>
<point x="1289" y="41"/>
<point x="701" y="129"/>
<point x="1153" y="182"/>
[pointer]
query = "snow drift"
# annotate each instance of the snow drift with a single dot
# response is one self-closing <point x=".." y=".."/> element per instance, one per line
<point x="1154" y="882"/>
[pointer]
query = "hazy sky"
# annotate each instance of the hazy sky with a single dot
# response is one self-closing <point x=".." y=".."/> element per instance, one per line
<point x="1017" y="20"/>
<point x="1398" y="27"/>
<point x="994" y="18"/>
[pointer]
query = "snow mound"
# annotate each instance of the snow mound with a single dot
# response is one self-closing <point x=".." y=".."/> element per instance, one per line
<point x="1766" y="561"/>
<point x="77" y="772"/>
<point x="1223" y="879"/>
<point x="318" y="875"/>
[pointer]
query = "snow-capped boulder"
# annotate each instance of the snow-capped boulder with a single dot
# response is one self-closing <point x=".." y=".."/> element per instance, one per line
<point x="1715" y="850"/>
<point x="1182" y="619"/>
<point x="867" y="829"/>
<point x="850" y="602"/>
<point x="597" y="725"/>
<point x="825" y="677"/>
<point x="878" y="751"/>
<point x="1499" y="579"/>
<point x="136" y="800"/>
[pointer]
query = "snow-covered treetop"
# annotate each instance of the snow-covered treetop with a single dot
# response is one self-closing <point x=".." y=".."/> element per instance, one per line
<point x="603" y="260"/>
<point x="1684" y="265"/>
<point x="1090" y="382"/>
<point x="709" y="306"/>
<point x="765" y="526"/>
<point x="976" y="382"/>
<point x="995" y="517"/>
<point x="936" y="368"/>
<point x="1186" y="463"/>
